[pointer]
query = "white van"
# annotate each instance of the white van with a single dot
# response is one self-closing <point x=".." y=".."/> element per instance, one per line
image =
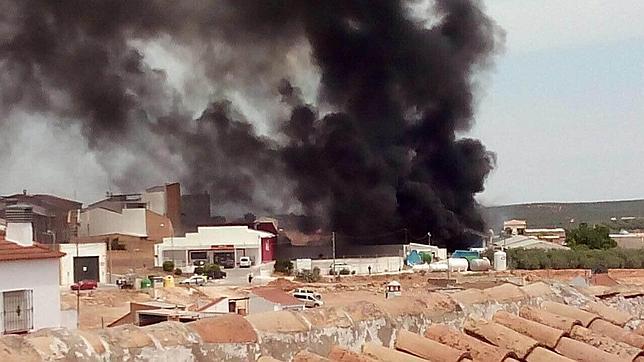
<point x="309" y="300"/>
<point x="315" y="294"/>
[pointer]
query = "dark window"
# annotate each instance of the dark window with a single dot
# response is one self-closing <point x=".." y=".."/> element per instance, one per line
<point x="198" y="255"/>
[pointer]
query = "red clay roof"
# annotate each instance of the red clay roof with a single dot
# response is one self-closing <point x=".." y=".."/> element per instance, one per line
<point x="277" y="296"/>
<point x="11" y="251"/>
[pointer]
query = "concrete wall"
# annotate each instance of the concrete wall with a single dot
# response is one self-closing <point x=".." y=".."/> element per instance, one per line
<point x="385" y="264"/>
<point x="158" y="226"/>
<point x="99" y="221"/>
<point x="633" y="241"/>
<point x="90" y="249"/>
<point x="219" y="307"/>
<point x="257" y="304"/>
<point x="41" y="276"/>
<point x="156" y="201"/>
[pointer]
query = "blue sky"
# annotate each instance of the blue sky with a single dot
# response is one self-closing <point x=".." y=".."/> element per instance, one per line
<point x="564" y="107"/>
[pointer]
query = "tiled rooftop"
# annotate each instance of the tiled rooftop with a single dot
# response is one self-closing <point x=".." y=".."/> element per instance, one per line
<point x="10" y="251"/>
<point x="536" y="322"/>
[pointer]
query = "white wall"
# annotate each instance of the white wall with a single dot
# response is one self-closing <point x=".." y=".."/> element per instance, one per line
<point x="41" y="276"/>
<point x="99" y="221"/>
<point x="241" y="237"/>
<point x="257" y="304"/>
<point x="156" y="201"/>
<point x="219" y="307"/>
<point x="384" y="264"/>
<point x="20" y="232"/>
<point x="89" y="249"/>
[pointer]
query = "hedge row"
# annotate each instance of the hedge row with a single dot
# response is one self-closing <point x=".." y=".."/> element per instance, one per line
<point x="597" y="260"/>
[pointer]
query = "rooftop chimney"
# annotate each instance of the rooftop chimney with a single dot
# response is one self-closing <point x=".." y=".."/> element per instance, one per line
<point x="19" y="229"/>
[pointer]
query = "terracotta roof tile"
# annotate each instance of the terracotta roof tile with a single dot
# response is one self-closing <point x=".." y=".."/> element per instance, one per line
<point x="500" y="336"/>
<point x="547" y="335"/>
<point x="610" y="314"/>
<point x="580" y="351"/>
<point x="479" y="350"/>
<point x="10" y="251"/>
<point x="386" y="354"/>
<point x="571" y="312"/>
<point x="605" y="343"/>
<point x="277" y="296"/>
<point x="426" y="348"/>
<point x="344" y="355"/>
<point x="306" y="356"/>
<point x="541" y="354"/>
<point x="617" y="333"/>
<point x="547" y="318"/>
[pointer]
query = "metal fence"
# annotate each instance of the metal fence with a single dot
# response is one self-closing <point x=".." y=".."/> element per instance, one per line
<point x="18" y="311"/>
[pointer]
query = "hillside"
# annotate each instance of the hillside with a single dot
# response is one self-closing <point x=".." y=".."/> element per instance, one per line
<point x="553" y="214"/>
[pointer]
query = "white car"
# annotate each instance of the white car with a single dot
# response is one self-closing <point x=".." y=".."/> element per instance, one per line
<point x="245" y="262"/>
<point x="339" y="265"/>
<point x="194" y="280"/>
<point x="309" y="300"/>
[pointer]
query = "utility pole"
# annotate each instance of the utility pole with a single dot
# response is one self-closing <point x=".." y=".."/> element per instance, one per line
<point x="333" y="243"/>
<point x="77" y="291"/>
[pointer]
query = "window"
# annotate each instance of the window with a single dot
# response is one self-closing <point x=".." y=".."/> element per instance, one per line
<point x="18" y="311"/>
<point x="198" y="255"/>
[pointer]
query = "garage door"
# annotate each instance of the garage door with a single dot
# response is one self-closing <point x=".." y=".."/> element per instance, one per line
<point x="85" y="267"/>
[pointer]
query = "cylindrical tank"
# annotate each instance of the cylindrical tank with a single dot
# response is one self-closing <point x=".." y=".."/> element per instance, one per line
<point x="500" y="261"/>
<point x="168" y="281"/>
<point x="438" y="267"/>
<point x="482" y="264"/>
<point x="457" y="264"/>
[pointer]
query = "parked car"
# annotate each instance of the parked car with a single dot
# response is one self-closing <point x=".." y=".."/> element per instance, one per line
<point x="245" y="262"/>
<point x="194" y="280"/>
<point x="309" y="300"/>
<point x="86" y="284"/>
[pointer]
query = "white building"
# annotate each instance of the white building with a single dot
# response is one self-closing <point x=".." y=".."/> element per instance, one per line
<point x="29" y="291"/>
<point x="527" y="242"/>
<point x="440" y="253"/>
<point x="103" y="221"/>
<point x="83" y="261"/>
<point x="222" y="245"/>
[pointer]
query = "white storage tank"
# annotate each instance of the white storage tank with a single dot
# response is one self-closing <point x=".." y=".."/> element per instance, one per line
<point x="500" y="261"/>
<point x="482" y="264"/>
<point x="440" y="266"/>
<point x="457" y="264"/>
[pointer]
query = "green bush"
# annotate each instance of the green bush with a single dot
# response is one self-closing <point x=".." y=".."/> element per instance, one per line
<point x="309" y="276"/>
<point x="426" y="258"/>
<point x="178" y="271"/>
<point x="168" y="266"/>
<point x="284" y="266"/>
<point x="598" y="260"/>
<point x="200" y="270"/>
<point x="345" y="272"/>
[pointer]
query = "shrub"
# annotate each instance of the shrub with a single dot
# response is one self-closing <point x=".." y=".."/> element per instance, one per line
<point x="284" y="266"/>
<point x="426" y="258"/>
<point x="168" y="266"/>
<point x="597" y="260"/>
<point x="309" y="276"/>
<point x="178" y="271"/>
<point x="345" y="272"/>
<point x="353" y="272"/>
<point x="200" y="270"/>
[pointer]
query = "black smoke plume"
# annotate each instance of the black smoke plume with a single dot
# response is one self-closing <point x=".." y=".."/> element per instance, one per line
<point x="377" y="150"/>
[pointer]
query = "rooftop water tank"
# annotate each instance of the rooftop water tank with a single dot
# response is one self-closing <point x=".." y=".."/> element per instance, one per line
<point x="500" y="261"/>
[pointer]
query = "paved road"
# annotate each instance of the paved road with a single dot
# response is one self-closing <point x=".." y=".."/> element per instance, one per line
<point x="237" y="276"/>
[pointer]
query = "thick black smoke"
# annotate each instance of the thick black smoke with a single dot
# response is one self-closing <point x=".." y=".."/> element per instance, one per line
<point x="377" y="151"/>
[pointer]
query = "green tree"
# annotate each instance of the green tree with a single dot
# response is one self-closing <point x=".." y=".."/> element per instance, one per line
<point x="596" y="237"/>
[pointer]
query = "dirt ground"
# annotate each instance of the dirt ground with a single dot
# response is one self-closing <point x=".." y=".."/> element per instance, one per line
<point x="101" y="307"/>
